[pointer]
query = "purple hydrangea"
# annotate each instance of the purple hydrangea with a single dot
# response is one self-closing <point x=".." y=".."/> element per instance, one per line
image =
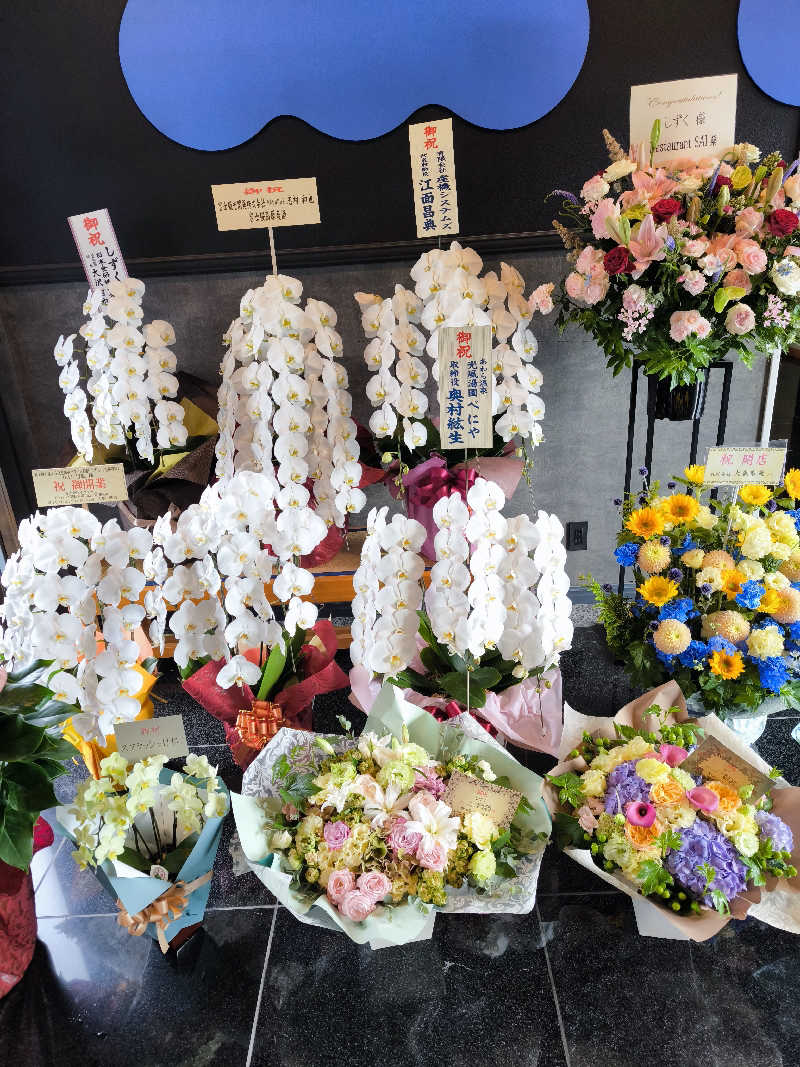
<point x="624" y="785"/>
<point x="703" y="843"/>
<point x="776" y="830"/>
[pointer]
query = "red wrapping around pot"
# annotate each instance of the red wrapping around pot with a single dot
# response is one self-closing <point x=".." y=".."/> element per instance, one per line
<point x="18" y="914"/>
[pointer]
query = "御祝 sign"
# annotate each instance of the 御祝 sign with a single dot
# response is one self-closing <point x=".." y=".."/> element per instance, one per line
<point x="465" y="387"/>
<point x="259" y="205"/>
<point x="98" y="248"/>
<point x="743" y="465"/>
<point x="433" y="177"/>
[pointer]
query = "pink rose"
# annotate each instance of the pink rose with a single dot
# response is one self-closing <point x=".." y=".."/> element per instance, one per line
<point x="356" y="906"/>
<point x="340" y="883"/>
<point x="335" y="834"/>
<point x="587" y="259"/>
<point x="751" y="256"/>
<point x="375" y="885"/>
<point x="694" y="282"/>
<point x="678" y="326"/>
<point x="710" y="264"/>
<point x="574" y="286"/>
<point x="740" y="319"/>
<point x="433" y="856"/>
<point x="605" y="209"/>
<point x="400" y="839"/>
<point x="703" y="328"/>
<point x="694" y="248"/>
<point x="749" y="221"/>
<point x="739" y="278"/>
<point x="596" y="289"/>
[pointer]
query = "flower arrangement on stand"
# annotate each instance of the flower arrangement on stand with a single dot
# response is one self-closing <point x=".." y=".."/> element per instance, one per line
<point x="150" y="835"/>
<point x="367" y="835"/>
<point x="675" y="265"/>
<point x="717" y="602"/>
<point x="495" y="618"/>
<point x="633" y="803"/>
<point x="450" y="291"/>
<point x="130" y="392"/>
<point x="284" y="403"/>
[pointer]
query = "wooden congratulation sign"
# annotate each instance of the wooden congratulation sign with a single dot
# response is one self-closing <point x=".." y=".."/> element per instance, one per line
<point x="465" y="387"/>
<point x="98" y="248"/>
<point x="102" y="483"/>
<point x="260" y="205"/>
<point x="744" y="465"/>
<point x="433" y="177"/>
<point x="164" y="736"/>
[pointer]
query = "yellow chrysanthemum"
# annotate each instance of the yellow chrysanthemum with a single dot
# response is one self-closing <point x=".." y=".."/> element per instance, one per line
<point x="672" y="636"/>
<point x="792" y="483"/>
<point x="680" y="508"/>
<point x="741" y="177"/>
<point x="755" y="495"/>
<point x="658" y="590"/>
<point x="791" y="568"/>
<point x="726" y="665"/>
<point x="695" y="474"/>
<point x="719" y="558"/>
<point x="731" y="625"/>
<point x="732" y="581"/>
<point x="646" y="522"/>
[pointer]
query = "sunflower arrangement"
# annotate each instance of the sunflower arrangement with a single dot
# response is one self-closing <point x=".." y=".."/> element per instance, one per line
<point x="717" y="592"/>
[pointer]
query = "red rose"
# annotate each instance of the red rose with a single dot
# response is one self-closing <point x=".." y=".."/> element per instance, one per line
<point x="666" y="209"/>
<point x="782" y="222"/>
<point x="722" y="181"/>
<point x="618" y="261"/>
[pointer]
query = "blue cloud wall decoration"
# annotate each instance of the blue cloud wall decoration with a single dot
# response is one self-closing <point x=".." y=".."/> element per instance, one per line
<point x="769" y="38"/>
<point x="210" y="74"/>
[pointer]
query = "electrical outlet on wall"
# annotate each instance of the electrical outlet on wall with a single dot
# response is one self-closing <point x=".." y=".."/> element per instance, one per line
<point x="577" y="536"/>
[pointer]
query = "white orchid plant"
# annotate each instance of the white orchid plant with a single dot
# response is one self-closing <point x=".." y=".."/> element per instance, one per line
<point x="284" y="402"/>
<point x="496" y="610"/>
<point x="449" y="290"/>
<point x="129" y="386"/>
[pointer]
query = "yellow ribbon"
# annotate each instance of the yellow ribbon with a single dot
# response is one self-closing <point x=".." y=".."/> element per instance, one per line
<point x="164" y="910"/>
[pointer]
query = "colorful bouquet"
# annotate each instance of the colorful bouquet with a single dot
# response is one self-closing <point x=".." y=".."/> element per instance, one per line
<point x="496" y="612"/>
<point x="717" y="603"/>
<point x="676" y="265"/>
<point x="450" y="291"/>
<point x="671" y="811"/>
<point x="151" y="836"/>
<point x="364" y="835"/>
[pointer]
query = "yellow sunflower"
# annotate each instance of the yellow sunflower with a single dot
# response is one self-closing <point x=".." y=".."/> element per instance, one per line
<point x="658" y="590"/>
<point x="770" y="601"/>
<point x="680" y="508"/>
<point x="726" y="664"/>
<point x="792" y="483"/>
<point x="756" y="495"/>
<point x="732" y="583"/>
<point x="646" y="523"/>
<point x="695" y="474"/>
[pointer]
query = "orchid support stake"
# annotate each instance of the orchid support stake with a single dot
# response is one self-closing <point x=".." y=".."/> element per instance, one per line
<point x="272" y="252"/>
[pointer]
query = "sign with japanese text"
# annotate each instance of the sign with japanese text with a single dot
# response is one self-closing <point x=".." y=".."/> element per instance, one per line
<point x="103" y="483"/>
<point x="717" y="763"/>
<point x="466" y="793"/>
<point x="164" y="736"/>
<point x="433" y="177"/>
<point x="465" y="387"/>
<point x="98" y="248"/>
<point x="743" y="465"/>
<point x="697" y="116"/>
<point x="258" y="205"/>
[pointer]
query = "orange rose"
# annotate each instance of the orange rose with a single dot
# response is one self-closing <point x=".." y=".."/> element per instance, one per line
<point x="729" y="799"/>
<point x="642" y="836"/>
<point x="666" y="792"/>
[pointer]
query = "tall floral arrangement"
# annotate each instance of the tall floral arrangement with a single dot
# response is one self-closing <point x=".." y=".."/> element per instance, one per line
<point x="284" y="402"/>
<point x="674" y="265"/>
<point x="717" y="601"/>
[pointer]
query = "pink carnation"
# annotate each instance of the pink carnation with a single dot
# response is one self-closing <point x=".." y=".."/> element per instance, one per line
<point x="605" y="209"/>
<point x="694" y="282"/>
<point x="433" y="856"/>
<point x="429" y="782"/>
<point x="694" y="248"/>
<point x="679" y="329"/>
<point x="574" y="285"/>
<point x="340" y="884"/>
<point x="594" y="188"/>
<point x="740" y="319"/>
<point x="739" y="278"/>
<point x="356" y="906"/>
<point x="541" y="299"/>
<point x="596" y="289"/>
<point x="749" y="221"/>
<point x="375" y="885"/>
<point x="588" y="258"/>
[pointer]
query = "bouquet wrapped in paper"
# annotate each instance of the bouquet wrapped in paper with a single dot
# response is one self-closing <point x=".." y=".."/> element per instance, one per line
<point x="371" y="836"/>
<point x="151" y="836"/>
<point x="685" y="819"/>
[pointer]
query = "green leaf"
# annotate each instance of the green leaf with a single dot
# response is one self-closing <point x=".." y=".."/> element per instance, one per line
<point x="725" y="294"/>
<point x="501" y="841"/>
<point x="505" y="870"/>
<point x="430" y="660"/>
<point x="27" y="787"/>
<point x="135" y="860"/>
<point x="24" y="694"/>
<point x="409" y="679"/>
<point x="570" y="790"/>
<point x="568" y="832"/>
<point x="16" y="836"/>
<point x="52" y="768"/>
<point x="652" y="877"/>
<point x="273" y="669"/>
<point x="18" y="739"/>
<point x="485" y="677"/>
<point x="149" y="664"/>
<point x="173" y="861"/>
<point x="428" y="636"/>
<point x="50" y="713"/>
<point x="720" y="902"/>
<point x="34" y="672"/>
<point x="455" y="685"/>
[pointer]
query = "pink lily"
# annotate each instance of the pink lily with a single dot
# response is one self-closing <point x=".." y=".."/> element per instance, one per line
<point x="648" y="245"/>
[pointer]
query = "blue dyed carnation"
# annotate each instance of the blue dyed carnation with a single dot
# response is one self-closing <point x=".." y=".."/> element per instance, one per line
<point x="793" y="635"/>
<point x="624" y="785"/>
<point x="681" y="609"/>
<point x="687" y="545"/>
<point x="750" y="596"/>
<point x="703" y="843"/>
<point x="694" y="657"/>
<point x="667" y="660"/>
<point x="772" y="673"/>
<point x="776" y="830"/>
<point x="626" y="554"/>
<point x="720" y="644"/>
<point x="796" y="516"/>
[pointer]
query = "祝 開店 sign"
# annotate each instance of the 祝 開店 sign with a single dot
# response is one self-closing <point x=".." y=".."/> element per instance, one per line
<point x="433" y="177"/>
<point x="164" y="736"/>
<point x="739" y="465"/>
<point x="98" y="248"/>
<point x="465" y="387"/>
<point x="259" y="205"/>
<point x="103" y="483"/>
<point x="697" y="116"/>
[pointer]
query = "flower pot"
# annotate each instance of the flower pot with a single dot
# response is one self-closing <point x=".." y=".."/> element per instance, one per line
<point x="679" y="403"/>
<point x="748" y="727"/>
<point x="748" y="723"/>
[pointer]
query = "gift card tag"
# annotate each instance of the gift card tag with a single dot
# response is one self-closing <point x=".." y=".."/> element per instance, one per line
<point x="697" y="116"/>
<point x="98" y="248"/>
<point x="433" y="177"/>
<point x="259" y="205"/>
<point x="717" y="763"/>
<point x="164" y="736"/>
<point x="465" y="387"/>
<point x="744" y="465"/>
<point x="103" y="483"/>
<point x="465" y="793"/>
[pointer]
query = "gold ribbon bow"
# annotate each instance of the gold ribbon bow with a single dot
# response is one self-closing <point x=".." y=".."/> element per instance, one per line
<point x="257" y="726"/>
<point x="163" y="910"/>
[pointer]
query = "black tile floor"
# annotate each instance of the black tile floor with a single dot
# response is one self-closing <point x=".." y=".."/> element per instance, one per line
<point x="572" y="984"/>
